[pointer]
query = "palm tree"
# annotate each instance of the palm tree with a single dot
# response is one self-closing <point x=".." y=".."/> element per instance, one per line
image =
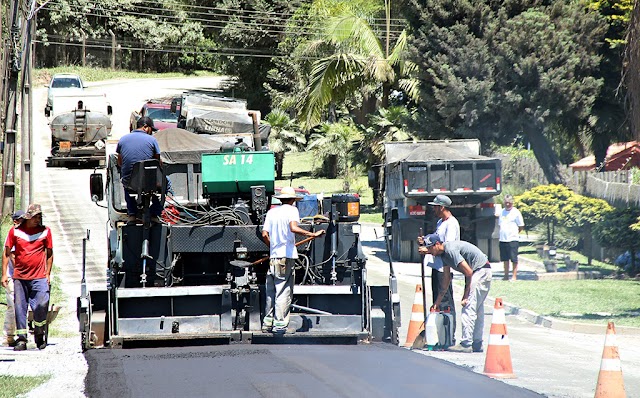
<point x="332" y="144"/>
<point x="357" y="62"/>
<point x="285" y="137"/>
<point x="388" y="125"/>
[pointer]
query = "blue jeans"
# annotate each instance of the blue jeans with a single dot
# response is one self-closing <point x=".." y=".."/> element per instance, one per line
<point x="34" y="293"/>
<point x="132" y="206"/>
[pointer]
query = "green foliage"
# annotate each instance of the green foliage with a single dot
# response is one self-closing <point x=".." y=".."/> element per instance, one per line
<point x="580" y="211"/>
<point x="137" y="26"/>
<point x="494" y="70"/>
<point x="389" y="124"/>
<point x="567" y="216"/>
<point x="331" y="145"/>
<point x="635" y="176"/>
<point x="353" y="61"/>
<point x="543" y="203"/>
<point x="285" y="137"/>
<point x="615" y="231"/>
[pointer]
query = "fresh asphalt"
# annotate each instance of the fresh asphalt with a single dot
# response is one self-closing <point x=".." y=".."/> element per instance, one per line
<point x="375" y="370"/>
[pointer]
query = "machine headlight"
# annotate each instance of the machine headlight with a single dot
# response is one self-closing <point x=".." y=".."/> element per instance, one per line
<point x="356" y="228"/>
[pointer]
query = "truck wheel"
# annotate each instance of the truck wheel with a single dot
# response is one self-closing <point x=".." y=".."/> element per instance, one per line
<point x="395" y="241"/>
<point x="406" y="252"/>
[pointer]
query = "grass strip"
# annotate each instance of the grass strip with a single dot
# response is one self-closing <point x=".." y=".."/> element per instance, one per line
<point x="591" y="301"/>
<point x="12" y="386"/>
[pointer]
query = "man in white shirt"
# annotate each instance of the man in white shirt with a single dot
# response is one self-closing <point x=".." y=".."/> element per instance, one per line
<point x="511" y="224"/>
<point x="278" y="232"/>
<point x="448" y="229"/>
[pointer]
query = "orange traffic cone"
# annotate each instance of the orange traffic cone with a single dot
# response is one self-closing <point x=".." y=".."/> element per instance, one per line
<point x="417" y="318"/>
<point x="610" y="382"/>
<point x="498" y="360"/>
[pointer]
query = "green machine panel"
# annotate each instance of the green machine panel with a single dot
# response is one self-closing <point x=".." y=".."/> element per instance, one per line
<point x="237" y="172"/>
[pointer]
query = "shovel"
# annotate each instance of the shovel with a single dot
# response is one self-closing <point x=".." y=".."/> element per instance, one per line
<point x="244" y="264"/>
<point x="421" y="340"/>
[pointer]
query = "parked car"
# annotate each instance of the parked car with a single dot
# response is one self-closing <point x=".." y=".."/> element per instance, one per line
<point x="62" y="84"/>
<point x="159" y="111"/>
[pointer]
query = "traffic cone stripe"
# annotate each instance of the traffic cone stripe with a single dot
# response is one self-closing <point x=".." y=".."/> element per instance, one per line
<point x="610" y="340"/>
<point x="498" y="339"/>
<point x="417" y="318"/>
<point x="498" y="317"/>
<point x="498" y="329"/>
<point x="610" y="381"/>
<point x="611" y="365"/>
<point x="417" y="315"/>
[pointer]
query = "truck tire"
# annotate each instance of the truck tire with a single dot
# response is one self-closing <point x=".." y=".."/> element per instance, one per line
<point x="402" y="250"/>
<point x="395" y="241"/>
<point x="406" y="252"/>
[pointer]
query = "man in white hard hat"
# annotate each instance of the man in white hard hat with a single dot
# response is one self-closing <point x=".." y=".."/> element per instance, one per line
<point x="278" y="232"/>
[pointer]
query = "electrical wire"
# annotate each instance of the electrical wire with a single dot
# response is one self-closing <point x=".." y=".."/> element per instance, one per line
<point x="189" y="51"/>
<point x="279" y="18"/>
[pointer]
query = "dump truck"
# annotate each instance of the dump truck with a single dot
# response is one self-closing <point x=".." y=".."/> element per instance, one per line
<point x="79" y="130"/>
<point x="199" y="274"/>
<point x="415" y="172"/>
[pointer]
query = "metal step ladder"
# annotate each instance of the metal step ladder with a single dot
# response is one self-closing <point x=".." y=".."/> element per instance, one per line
<point x="80" y="123"/>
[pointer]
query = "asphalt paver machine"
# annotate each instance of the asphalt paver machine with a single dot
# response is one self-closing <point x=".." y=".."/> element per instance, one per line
<point x="198" y="275"/>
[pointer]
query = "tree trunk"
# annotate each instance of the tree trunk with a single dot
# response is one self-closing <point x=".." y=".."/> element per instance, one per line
<point x="378" y="193"/>
<point x="332" y="117"/>
<point x="588" y="243"/>
<point x="546" y="156"/>
<point x="386" y="91"/>
<point x="279" y="162"/>
<point x="332" y="166"/>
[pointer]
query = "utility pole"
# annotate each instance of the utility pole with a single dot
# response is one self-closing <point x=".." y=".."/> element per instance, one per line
<point x="113" y="50"/>
<point x="10" y="125"/>
<point x="387" y="9"/>
<point x="26" y="114"/>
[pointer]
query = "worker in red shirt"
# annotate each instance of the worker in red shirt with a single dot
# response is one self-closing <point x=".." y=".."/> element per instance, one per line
<point x="31" y="275"/>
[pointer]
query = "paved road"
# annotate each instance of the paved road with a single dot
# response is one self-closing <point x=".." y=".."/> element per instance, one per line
<point x="373" y="370"/>
<point x="552" y="362"/>
<point x="377" y="370"/>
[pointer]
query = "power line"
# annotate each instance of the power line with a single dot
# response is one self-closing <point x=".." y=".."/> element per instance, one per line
<point x="268" y="13"/>
<point x="179" y="49"/>
<point x="279" y="21"/>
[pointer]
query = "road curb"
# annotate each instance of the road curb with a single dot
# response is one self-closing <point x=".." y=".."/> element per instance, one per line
<point x="557" y="324"/>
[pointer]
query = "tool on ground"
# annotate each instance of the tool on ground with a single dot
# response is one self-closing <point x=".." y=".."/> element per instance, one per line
<point x="421" y="340"/>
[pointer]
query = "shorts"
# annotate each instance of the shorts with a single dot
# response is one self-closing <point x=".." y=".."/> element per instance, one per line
<point x="509" y="251"/>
